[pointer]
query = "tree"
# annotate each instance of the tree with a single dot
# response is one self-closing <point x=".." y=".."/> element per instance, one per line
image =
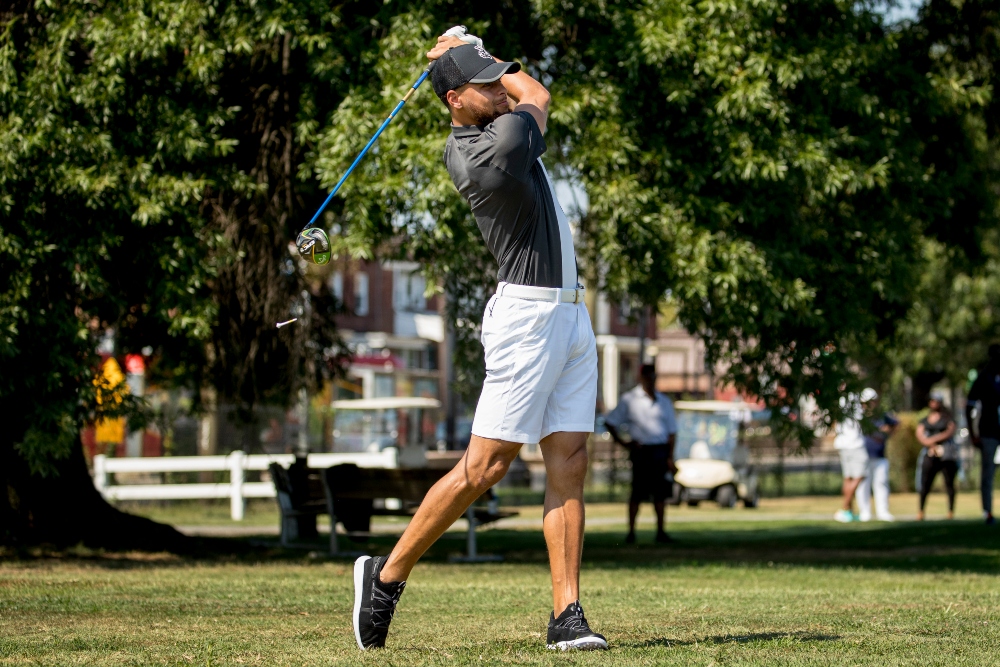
<point x="766" y="167"/>
<point x="149" y="186"/>
<point x="946" y="333"/>
<point x="772" y="169"/>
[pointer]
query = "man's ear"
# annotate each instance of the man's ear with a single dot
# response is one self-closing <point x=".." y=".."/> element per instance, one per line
<point x="453" y="99"/>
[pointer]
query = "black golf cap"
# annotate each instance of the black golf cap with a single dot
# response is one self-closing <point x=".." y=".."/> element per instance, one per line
<point x="467" y="64"/>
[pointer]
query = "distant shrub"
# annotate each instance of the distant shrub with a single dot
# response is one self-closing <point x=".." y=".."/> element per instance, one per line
<point x="902" y="450"/>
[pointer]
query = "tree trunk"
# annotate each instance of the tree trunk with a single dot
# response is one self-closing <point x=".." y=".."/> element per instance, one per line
<point x="65" y="510"/>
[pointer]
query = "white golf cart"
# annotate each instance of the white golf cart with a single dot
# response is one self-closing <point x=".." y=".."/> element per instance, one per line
<point x="713" y="463"/>
<point x="374" y="424"/>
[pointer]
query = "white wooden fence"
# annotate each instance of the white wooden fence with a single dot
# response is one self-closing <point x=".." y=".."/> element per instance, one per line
<point x="237" y="489"/>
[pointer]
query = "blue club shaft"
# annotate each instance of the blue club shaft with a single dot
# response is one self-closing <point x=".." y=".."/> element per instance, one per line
<point x="371" y="141"/>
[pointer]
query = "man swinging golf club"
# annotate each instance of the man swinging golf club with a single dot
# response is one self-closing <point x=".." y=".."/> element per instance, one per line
<point x="541" y="355"/>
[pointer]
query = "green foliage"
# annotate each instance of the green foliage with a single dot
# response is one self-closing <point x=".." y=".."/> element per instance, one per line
<point x="902" y="450"/>
<point x="771" y="169"/>
<point x="146" y="186"/>
<point x="955" y="315"/>
<point x="754" y="161"/>
<point x="766" y="167"/>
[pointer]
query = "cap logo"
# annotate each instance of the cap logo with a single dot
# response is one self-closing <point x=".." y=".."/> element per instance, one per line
<point x="483" y="53"/>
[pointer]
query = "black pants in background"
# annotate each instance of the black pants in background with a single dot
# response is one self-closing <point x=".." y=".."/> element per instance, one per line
<point x="931" y="466"/>
<point x="649" y="474"/>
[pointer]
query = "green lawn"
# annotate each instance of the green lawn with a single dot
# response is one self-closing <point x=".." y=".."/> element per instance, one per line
<point x="731" y="592"/>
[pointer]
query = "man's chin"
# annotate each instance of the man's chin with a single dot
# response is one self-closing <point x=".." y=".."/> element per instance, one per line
<point x="487" y="119"/>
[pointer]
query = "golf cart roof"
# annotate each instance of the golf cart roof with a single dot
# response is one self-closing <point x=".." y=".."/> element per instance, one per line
<point x="388" y="403"/>
<point x="716" y="406"/>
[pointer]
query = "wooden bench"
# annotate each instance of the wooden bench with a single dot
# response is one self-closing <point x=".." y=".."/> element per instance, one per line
<point x="301" y="498"/>
<point x="350" y="494"/>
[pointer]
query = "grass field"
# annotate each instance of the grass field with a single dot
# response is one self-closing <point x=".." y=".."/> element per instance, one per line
<point x="739" y="588"/>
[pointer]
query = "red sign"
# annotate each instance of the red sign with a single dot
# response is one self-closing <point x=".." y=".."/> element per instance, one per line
<point x="134" y="364"/>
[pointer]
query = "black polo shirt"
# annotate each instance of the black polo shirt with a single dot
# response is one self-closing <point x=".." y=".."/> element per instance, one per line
<point x="498" y="169"/>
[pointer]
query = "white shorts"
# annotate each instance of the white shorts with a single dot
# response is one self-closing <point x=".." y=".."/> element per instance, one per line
<point x="854" y="462"/>
<point x="541" y="370"/>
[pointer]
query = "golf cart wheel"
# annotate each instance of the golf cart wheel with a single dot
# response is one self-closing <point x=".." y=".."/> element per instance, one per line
<point x="726" y="496"/>
<point x="752" y="501"/>
<point x="692" y="503"/>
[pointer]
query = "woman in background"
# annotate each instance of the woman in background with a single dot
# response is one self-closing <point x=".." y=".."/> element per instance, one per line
<point x="935" y="432"/>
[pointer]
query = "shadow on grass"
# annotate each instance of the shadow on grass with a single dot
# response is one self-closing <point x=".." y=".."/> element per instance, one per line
<point x="750" y="638"/>
<point x="957" y="545"/>
<point x="964" y="546"/>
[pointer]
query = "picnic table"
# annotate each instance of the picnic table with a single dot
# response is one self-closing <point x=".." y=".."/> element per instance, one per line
<point x="352" y="495"/>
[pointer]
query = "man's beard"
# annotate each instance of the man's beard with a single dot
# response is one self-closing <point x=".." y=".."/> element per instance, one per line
<point x="486" y="114"/>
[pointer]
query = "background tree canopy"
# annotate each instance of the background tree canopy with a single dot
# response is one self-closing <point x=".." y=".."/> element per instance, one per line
<point x="782" y="172"/>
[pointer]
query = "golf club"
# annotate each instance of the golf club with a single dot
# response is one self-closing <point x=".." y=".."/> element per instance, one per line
<point x="313" y="244"/>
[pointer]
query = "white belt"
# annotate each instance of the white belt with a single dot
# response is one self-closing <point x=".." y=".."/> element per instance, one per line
<point x="552" y="294"/>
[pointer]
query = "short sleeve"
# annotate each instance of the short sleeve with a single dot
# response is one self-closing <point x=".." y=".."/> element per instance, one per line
<point x="618" y="416"/>
<point x="518" y="143"/>
<point x="669" y="418"/>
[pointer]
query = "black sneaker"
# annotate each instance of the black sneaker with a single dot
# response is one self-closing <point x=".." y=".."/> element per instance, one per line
<point x="571" y="632"/>
<point x="374" y="602"/>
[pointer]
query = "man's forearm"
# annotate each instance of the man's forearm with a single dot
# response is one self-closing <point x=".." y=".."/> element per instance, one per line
<point x="525" y="90"/>
<point x="528" y="94"/>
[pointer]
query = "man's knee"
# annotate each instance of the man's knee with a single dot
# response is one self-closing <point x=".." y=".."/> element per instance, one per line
<point x="576" y="461"/>
<point x="494" y="473"/>
<point x="569" y="469"/>
<point x="486" y="475"/>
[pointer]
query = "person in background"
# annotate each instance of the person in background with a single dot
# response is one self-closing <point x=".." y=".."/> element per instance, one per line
<point x="985" y="395"/>
<point x="877" y="479"/>
<point x="850" y="442"/>
<point x="936" y="432"/>
<point x="649" y="417"/>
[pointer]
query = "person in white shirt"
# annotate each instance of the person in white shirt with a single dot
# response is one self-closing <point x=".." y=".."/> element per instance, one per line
<point x="850" y="442"/>
<point x="649" y="417"/>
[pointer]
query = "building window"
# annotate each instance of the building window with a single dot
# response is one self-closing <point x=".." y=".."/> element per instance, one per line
<point x="385" y="386"/>
<point x="408" y="291"/>
<point x="361" y="294"/>
<point x="337" y="285"/>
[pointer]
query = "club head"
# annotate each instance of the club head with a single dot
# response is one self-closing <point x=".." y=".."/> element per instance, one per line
<point x="314" y="246"/>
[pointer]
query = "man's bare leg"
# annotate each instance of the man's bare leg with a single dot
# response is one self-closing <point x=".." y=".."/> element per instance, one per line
<point x="661" y="512"/>
<point x="848" y="489"/>
<point x="633" y="512"/>
<point x="484" y="464"/>
<point x="565" y="457"/>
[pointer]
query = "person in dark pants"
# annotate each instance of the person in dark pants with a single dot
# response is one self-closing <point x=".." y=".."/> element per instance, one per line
<point x="652" y="425"/>
<point x="936" y="432"/>
<point x="984" y="395"/>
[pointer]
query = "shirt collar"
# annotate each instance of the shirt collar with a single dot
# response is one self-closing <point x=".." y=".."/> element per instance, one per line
<point x="466" y="130"/>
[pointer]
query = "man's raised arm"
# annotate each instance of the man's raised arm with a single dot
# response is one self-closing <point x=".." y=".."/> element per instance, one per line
<point x="528" y="95"/>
